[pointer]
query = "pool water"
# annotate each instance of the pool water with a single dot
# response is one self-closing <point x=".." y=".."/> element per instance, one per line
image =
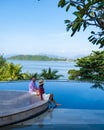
<point x="70" y="94"/>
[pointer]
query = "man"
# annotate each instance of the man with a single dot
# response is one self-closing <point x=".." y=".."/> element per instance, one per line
<point x="33" y="90"/>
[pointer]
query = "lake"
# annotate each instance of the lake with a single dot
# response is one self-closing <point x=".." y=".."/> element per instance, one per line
<point x="37" y="66"/>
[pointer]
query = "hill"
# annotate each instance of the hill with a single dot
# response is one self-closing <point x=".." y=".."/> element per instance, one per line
<point x="37" y="58"/>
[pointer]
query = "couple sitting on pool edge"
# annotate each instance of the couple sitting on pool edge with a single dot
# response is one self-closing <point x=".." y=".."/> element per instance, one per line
<point x="39" y="91"/>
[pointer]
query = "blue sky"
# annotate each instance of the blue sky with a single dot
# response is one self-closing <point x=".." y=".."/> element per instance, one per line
<point x="37" y="27"/>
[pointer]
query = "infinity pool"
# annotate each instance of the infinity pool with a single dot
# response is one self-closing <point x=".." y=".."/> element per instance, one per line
<point x="70" y="94"/>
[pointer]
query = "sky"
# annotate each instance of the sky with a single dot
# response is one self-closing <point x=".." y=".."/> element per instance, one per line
<point x="37" y="27"/>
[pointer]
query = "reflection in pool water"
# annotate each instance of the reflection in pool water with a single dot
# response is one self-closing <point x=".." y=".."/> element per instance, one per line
<point x="98" y="85"/>
<point x="71" y="94"/>
<point x="75" y="97"/>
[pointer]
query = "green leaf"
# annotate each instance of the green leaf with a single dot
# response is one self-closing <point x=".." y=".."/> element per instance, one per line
<point x="92" y="14"/>
<point x="74" y="30"/>
<point x="89" y="0"/>
<point x="67" y="21"/>
<point x="76" y="13"/>
<point x="84" y="25"/>
<point x="61" y="3"/>
<point x="101" y="5"/>
<point x="90" y="37"/>
<point x="72" y="4"/>
<point x="94" y="41"/>
<point x="79" y="27"/>
<point x="68" y="27"/>
<point x="79" y="8"/>
<point x="67" y="8"/>
<point x="92" y="32"/>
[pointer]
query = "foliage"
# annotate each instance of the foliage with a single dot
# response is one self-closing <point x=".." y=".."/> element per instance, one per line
<point x="2" y="61"/>
<point x="14" y="71"/>
<point x="74" y="74"/>
<point x="49" y="74"/>
<point x="30" y="75"/>
<point x="10" y="71"/>
<point x="87" y="13"/>
<point x="91" y="67"/>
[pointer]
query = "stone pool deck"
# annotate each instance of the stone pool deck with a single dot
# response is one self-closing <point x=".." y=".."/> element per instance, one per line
<point x="16" y="106"/>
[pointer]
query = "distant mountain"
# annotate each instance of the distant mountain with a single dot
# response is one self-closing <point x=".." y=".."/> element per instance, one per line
<point x="37" y="58"/>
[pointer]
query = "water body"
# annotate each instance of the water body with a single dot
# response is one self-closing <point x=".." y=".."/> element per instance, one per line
<point x="75" y="98"/>
<point x="71" y="94"/>
<point x="37" y="66"/>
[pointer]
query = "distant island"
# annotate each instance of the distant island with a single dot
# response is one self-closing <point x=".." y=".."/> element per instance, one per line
<point x="37" y="58"/>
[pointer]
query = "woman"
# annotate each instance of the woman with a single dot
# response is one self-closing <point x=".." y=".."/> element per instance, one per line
<point x="45" y="96"/>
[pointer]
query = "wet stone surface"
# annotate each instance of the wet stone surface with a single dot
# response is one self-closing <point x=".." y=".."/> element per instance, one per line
<point x="16" y="100"/>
